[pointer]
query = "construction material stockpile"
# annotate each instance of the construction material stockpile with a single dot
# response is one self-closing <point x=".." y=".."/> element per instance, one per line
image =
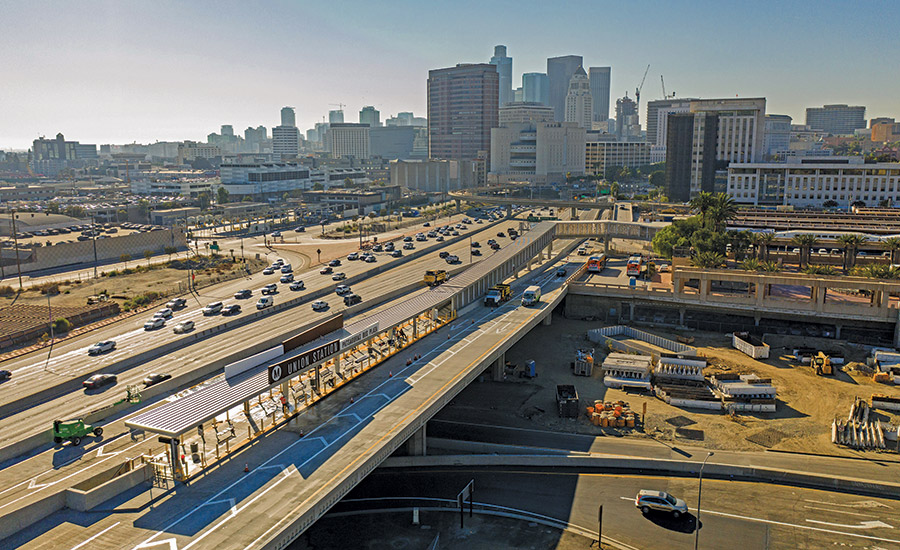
<point x="859" y="431"/>
<point x="609" y="414"/>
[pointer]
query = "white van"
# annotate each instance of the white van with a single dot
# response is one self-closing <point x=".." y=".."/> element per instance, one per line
<point x="265" y="302"/>
<point x="531" y="296"/>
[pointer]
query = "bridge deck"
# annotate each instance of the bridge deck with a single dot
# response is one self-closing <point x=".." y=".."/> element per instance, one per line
<point x="294" y="479"/>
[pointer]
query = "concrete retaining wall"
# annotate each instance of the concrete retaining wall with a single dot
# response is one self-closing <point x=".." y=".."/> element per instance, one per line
<point x="85" y="499"/>
<point x="653" y="466"/>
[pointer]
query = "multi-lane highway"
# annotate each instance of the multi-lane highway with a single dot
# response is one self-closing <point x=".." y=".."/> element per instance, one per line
<point x="32" y="373"/>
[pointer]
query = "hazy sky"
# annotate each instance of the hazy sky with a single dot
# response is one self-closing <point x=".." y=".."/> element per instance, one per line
<point x="123" y="71"/>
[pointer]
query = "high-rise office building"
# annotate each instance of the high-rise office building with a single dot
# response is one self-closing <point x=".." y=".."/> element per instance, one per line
<point x="392" y="142"/>
<point x="579" y="103"/>
<point x="227" y="130"/>
<point x="628" y="126"/>
<point x="462" y="109"/>
<point x="599" y="77"/>
<point x="536" y="88"/>
<point x="285" y="142"/>
<point x="288" y="118"/>
<point x="254" y="137"/>
<point x="346" y="139"/>
<point x="370" y="115"/>
<point x="542" y="152"/>
<point x="518" y="95"/>
<point x="657" y="111"/>
<point x="701" y="144"/>
<point x="504" y="69"/>
<point x="336" y="116"/>
<point x="836" y="119"/>
<point x="778" y="134"/>
<point x="559" y="73"/>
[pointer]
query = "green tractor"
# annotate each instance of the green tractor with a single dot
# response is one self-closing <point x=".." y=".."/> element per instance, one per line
<point x="73" y="430"/>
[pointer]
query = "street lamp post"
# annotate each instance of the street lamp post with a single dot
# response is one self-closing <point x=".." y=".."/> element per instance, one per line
<point x="699" y="493"/>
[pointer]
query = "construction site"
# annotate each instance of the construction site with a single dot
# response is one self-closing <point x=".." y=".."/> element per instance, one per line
<point x="697" y="387"/>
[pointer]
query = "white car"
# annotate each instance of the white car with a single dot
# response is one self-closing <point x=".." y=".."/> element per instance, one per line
<point x="289" y="278"/>
<point x="297" y="285"/>
<point x="165" y="313"/>
<point x="319" y="305"/>
<point x="340" y="290"/>
<point x="155" y="323"/>
<point x="353" y="256"/>
<point x="268" y="271"/>
<point x="212" y="308"/>
<point x="370" y="259"/>
<point x="102" y="347"/>
<point x="182" y="327"/>
<point x="338" y="276"/>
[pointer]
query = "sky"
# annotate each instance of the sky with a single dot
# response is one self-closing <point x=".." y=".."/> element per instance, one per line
<point x="124" y="71"/>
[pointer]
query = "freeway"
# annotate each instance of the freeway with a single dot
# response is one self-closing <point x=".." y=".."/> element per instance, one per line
<point x="758" y="515"/>
<point x="225" y="344"/>
<point x="33" y="373"/>
<point x="339" y="435"/>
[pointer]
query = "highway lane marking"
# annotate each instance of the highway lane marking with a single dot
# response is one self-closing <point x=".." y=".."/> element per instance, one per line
<point x="95" y="536"/>
<point x="173" y="544"/>
<point x="862" y="525"/>
<point x="837" y="511"/>
<point x="859" y="504"/>
<point x="405" y="418"/>
<point x="51" y="483"/>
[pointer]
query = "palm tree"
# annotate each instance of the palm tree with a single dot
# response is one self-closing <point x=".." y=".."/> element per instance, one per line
<point x="709" y="259"/>
<point x="851" y="243"/>
<point x="703" y="202"/>
<point x="723" y="208"/>
<point x="892" y="244"/>
<point x="762" y="241"/>
<point x="805" y="241"/>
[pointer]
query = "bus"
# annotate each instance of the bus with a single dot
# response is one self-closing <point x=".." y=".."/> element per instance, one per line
<point x="635" y="266"/>
<point x="596" y="263"/>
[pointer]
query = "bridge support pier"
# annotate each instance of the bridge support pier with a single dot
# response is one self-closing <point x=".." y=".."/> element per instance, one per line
<point x="837" y="331"/>
<point x="574" y="213"/>
<point x="546" y="321"/>
<point x="415" y="445"/>
<point x="497" y="368"/>
<point x="681" y="312"/>
<point x="508" y="210"/>
<point x="458" y="205"/>
<point x="631" y="311"/>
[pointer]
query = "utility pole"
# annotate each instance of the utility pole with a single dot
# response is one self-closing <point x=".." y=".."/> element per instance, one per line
<point x="16" y="246"/>
<point x="94" y="239"/>
<point x="699" y="493"/>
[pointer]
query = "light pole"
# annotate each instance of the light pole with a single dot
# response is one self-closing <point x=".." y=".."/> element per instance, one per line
<point x="699" y="493"/>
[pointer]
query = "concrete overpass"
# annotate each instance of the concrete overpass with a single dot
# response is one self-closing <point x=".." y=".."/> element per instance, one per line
<point x="499" y="200"/>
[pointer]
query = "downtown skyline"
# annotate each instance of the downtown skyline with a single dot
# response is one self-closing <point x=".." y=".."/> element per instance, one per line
<point x="94" y="74"/>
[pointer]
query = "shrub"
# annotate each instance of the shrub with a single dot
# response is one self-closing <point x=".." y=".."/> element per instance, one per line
<point x="6" y="290"/>
<point x="49" y="288"/>
<point x="61" y="325"/>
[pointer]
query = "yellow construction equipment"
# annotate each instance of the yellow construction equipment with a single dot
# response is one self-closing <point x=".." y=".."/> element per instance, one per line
<point x="434" y="278"/>
<point x="822" y="364"/>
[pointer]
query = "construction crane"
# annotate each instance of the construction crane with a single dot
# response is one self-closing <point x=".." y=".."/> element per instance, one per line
<point x="637" y="91"/>
<point x="665" y="95"/>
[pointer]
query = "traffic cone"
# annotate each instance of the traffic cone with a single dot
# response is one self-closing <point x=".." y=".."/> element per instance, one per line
<point x="390" y="373"/>
<point x="246" y="467"/>
<point x="351" y="400"/>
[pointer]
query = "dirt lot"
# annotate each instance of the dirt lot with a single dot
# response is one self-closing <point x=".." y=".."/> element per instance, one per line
<point x="806" y="406"/>
<point x="122" y="287"/>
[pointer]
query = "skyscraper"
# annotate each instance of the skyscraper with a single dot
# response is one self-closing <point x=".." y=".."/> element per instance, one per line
<point x="285" y="142"/>
<point x="778" y="134"/>
<point x="287" y="116"/>
<point x="227" y="130"/>
<point x="536" y="88"/>
<point x="371" y="116"/>
<point x="599" y="77"/>
<point x="559" y="73"/>
<point x="463" y="106"/>
<point x="504" y="69"/>
<point x="701" y="144"/>
<point x="579" y="103"/>
<point x="836" y="119"/>
<point x="349" y="140"/>
<point x="336" y="116"/>
<point x="628" y="125"/>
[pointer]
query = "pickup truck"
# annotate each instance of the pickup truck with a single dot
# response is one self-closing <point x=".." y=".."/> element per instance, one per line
<point x="497" y="294"/>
